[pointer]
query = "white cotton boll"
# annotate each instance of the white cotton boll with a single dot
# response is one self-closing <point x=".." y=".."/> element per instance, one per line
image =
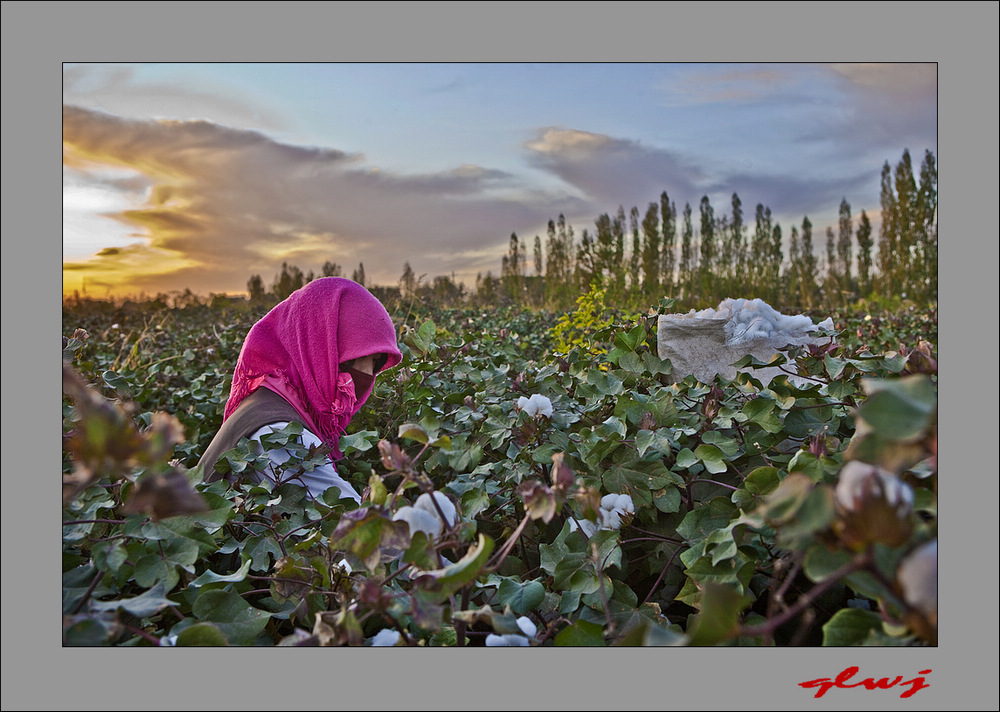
<point x="543" y="406"/>
<point x="611" y="519"/>
<point x="526" y="626"/>
<point x="385" y="638"/>
<point x="856" y="477"/>
<point x="425" y="503"/>
<point x="510" y="640"/>
<point x="586" y="526"/>
<point x="917" y="576"/>
<point x="419" y="521"/>
<point x="535" y="406"/>
<point x="344" y="566"/>
<point x="621" y="502"/>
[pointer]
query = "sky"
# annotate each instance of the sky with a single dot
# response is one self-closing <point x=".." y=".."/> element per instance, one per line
<point x="198" y="175"/>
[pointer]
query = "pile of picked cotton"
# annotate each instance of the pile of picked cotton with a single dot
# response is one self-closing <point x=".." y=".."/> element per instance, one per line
<point x="706" y="343"/>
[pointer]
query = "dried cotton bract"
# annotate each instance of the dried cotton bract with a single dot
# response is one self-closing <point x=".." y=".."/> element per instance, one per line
<point x="536" y="406"/>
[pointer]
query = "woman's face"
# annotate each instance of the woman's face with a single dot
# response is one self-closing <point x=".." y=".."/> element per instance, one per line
<point x="365" y="364"/>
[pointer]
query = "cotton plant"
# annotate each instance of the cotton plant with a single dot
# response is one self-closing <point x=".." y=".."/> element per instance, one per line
<point x="514" y="640"/>
<point x="613" y="508"/>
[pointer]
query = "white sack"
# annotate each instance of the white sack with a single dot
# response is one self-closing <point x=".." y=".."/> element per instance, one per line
<point x="706" y="343"/>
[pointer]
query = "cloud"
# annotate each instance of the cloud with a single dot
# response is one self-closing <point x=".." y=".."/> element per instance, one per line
<point x="224" y="203"/>
<point x="880" y="106"/>
<point x="729" y="84"/>
<point x="113" y="88"/>
<point x="612" y="171"/>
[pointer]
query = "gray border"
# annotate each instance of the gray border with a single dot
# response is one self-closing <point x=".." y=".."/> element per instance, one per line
<point x="38" y="36"/>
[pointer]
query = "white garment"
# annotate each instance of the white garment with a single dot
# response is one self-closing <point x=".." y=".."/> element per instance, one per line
<point x="317" y="481"/>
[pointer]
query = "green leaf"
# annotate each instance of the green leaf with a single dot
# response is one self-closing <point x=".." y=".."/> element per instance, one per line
<point x="412" y="431"/>
<point x="685" y="459"/>
<point x="521" y="597"/>
<point x="850" y="626"/>
<point x="702" y="521"/>
<point x="581" y="634"/>
<point x="454" y="577"/>
<point x="235" y="618"/>
<point x="900" y="409"/>
<point x="713" y="458"/>
<point x="210" y="577"/>
<point x="201" y="634"/>
<point x="141" y="606"/>
<point x="606" y="384"/>
<point x="719" y="617"/>
<point x="657" y="440"/>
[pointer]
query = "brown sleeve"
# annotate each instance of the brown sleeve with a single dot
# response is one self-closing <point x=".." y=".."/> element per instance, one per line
<point x="260" y="408"/>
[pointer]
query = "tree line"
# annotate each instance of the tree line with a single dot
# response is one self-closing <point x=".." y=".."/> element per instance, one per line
<point x="697" y="256"/>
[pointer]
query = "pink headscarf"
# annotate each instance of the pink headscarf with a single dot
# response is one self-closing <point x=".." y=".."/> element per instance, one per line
<point x="296" y="350"/>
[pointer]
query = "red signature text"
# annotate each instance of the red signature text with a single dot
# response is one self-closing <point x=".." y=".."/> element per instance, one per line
<point x="825" y="684"/>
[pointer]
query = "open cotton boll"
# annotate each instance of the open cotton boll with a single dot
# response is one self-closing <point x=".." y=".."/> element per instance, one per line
<point x="586" y="526"/>
<point x="385" y="638"/>
<point x="425" y="503"/>
<point x="535" y="406"/>
<point x="510" y="640"/>
<point x="857" y="479"/>
<point x="513" y="640"/>
<point x="917" y="576"/>
<point x="419" y="520"/>
<point x="527" y="626"/>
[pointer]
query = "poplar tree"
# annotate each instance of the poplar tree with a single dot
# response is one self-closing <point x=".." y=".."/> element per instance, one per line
<point x="773" y="276"/>
<point x="807" y="275"/>
<point x="255" y="288"/>
<point x="831" y="283"/>
<point x="705" y="272"/>
<point x="408" y="282"/>
<point x="651" y="253"/>
<point x="689" y="265"/>
<point x="865" y="243"/>
<point x="538" y="284"/>
<point x="603" y="247"/>
<point x="886" y="259"/>
<point x="512" y="269"/>
<point x="332" y="269"/>
<point x="617" y="267"/>
<point x="760" y="249"/>
<point x="359" y="274"/>
<point x="844" y="245"/>
<point x="586" y="263"/>
<point x="668" y="218"/>
<point x="927" y="222"/>
<point x="906" y="225"/>
<point x="635" y="282"/>
<point x="794" y="274"/>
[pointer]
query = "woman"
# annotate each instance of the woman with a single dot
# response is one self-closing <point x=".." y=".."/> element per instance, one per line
<point x="312" y="359"/>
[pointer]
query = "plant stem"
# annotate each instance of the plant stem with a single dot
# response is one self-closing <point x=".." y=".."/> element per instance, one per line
<point x="806" y="599"/>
